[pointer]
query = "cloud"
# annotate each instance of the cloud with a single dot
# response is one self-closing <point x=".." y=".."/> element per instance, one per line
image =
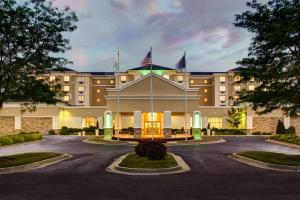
<point x="119" y="5"/>
<point x="77" y="5"/>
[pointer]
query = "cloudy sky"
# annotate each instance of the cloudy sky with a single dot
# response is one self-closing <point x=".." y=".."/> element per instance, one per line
<point x="201" y="27"/>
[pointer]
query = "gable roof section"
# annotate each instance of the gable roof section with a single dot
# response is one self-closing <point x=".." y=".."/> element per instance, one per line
<point x="154" y="67"/>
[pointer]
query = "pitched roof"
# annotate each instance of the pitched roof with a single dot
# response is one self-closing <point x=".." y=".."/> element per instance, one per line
<point x="154" y="67"/>
<point x="235" y="69"/>
<point x="99" y="73"/>
<point x="204" y="73"/>
<point x="62" y="69"/>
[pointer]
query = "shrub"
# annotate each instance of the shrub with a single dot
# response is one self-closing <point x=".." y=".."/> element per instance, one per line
<point x="280" y="127"/>
<point x="51" y="132"/>
<point x="153" y="150"/>
<point x="64" y="130"/>
<point x="17" y="138"/>
<point x="230" y="131"/>
<point x="261" y="133"/>
<point x="287" y="138"/>
<point x="6" y="140"/>
<point x="32" y="137"/>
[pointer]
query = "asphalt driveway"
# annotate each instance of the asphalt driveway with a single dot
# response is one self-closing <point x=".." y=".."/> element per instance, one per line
<point x="213" y="175"/>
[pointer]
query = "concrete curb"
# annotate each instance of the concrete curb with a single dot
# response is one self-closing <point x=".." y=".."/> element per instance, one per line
<point x="283" y="143"/>
<point x="23" y="143"/>
<point x="264" y="165"/>
<point x="115" y="168"/>
<point x="35" y="165"/>
<point x="103" y="143"/>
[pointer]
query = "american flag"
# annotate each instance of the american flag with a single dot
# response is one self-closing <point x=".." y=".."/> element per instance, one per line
<point x="148" y="59"/>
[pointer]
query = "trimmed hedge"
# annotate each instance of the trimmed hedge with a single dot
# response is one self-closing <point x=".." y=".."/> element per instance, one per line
<point x="153" y="150"/>
<point x="293" y="139"/>
<point x="261" y="133"/>
<point x="19" y="138"/>
<point x="230" y="131"/>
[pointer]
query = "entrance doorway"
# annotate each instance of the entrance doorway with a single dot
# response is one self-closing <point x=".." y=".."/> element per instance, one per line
<point x="152" y="128"/>
<point x="152" y="125"/>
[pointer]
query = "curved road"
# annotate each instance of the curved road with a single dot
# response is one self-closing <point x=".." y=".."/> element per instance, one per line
<point x="213" y="175"/>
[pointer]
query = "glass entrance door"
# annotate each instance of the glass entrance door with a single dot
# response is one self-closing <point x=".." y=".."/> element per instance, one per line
<point x="152" y="130"/>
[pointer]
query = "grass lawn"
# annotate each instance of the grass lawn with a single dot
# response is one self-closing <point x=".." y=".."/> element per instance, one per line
<point x="134" y="161"/>
<point x="274" y="158"/>
<point x="26" y="158"/>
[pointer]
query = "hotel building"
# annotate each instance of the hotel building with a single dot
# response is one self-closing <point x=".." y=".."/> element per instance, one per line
<point x="96" y="98"/>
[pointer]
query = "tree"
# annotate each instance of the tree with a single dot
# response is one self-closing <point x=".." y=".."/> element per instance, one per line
<point x="31" y="43"/>
<point x="280" y="127"/>
<point x="274" y="55"/>
<point x="235" y="117"/>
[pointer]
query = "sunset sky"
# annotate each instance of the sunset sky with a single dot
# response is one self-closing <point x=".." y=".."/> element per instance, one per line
<point x="201" y="27"/>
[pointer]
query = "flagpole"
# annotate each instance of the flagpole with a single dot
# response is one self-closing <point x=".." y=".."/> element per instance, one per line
<point x="118" y="82"/>
<point x="151" y="94"/>
<point x="185" y="99"/>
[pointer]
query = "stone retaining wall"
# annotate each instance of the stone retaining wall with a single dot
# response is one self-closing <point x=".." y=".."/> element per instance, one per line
<point x="40" y="124"/>
<point x="265" y="124"/>
<point x="7" y="125"/>
<point x="296" y="123"/>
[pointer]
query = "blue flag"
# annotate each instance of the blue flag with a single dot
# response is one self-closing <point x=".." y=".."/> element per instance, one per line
<point x="182" y="63"/>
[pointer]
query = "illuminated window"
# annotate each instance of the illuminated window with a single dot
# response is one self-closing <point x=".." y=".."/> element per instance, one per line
<point x="237" y="88"/>
<point x="222" y="79"/>
<point x="123" y="78"/>
<point x="222" y="88"/>
<point x="66" y="78"/>
<point x="191" y="81"/>
<point x="205" y="81"/>
<point x="180" y="78"/>
<point x="66" y="88"/>
<point x="252" y="79"/>
<point x="236" y="97"/>
<point x="81" y="98"/>
<point x="205" y="100"/>
<point x="39" y="78"/>
<point x="66" y="98"/>
<point x="215" y="122"/>
<point x="154" y="115"/>
<point x="52" y="78"/>
<point x="98" y="91"/>
<point x="222" y="99"/>
<point x="81" y="79"/>
<point x="98" y="100"/>
<point x="205" y="90"/>
<point x="237" y="78"/>
<point x="98" y="81"/>
<point x="81" y="88"/>
<point x="88" y="122"/>
<point x="112" y="81"/>
<point x="166" y="76"/>
<point x="251" y="87"/>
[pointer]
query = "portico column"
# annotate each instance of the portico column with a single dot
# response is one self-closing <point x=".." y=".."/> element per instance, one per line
<point x="108" y="125"/>
<point x="137" y="124"/>
<point x="167" y="124"/>
<point x="197" y="125"/>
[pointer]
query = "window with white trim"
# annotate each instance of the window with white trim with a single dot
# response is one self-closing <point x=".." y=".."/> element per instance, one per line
<point x="251" y="87"/>
<point x="222" y="99"/>
<point x="81" y="89"/>
<point x="180" y="78"/>
<point x="66" y="78"/>
<point x="81" y="98"/>
<point x="237" y="88"/>
<point x="123" y="78"/>
<point x="66" y="98"/>
<point x="222" y="79"/>
<point x="222" y="88"/>
<point x="52" y="78"/>
<point x="66" y="88"/>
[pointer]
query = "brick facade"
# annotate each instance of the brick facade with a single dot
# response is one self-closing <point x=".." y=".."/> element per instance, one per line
<point x="41" y="124"/>
<point x="296" y="123"/>
<point x="7" y="125"/>
<point x="265" y="124"/>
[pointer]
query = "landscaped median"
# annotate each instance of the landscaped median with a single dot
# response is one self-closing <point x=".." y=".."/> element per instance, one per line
<point x="286" y="139"/>
<point x="150" y="158"/>
<point x="29" y="161"/>
<point x="269" y="160"/>
<point x="20" y="138"/>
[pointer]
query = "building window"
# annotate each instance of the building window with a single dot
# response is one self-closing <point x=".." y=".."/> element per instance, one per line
<point x="98" y="91"/>
<point x="251" y="87"/>
<point x="66" y="78"/>
<point x="222" y="88"/>
<point x="81" y="88"/>
<point x="88" y="122"/>
<point x="205" y="90"/>
<point x="205" y="100"/>
<point x="66" y="98"/>
<point x="252" y="79"/>
<point x="237" y="78"/>
<point x="81" y="98"/>
<point x="222" y="79"/>
<point x="154" y="115"/>
<point x="236" y="97"/>
<point x="123" y="78"/>
<point x="81" y="79"/>
<point x="98" y="100"/>
<point x="215" y="122"/>
<point x="52" y="78"/>
<point x="222" y="99"/>
<point x="39" y="78"/>
<point x="98" y="81"/>
<point x="192" y="81"/>
<point x="66" y="88"/>
<point x="112" y="81"/>
<point x="205" y="81"/>
<point x="180" y="78"/>
<point x="237" y="88"/>
<point x="166" y="76"/>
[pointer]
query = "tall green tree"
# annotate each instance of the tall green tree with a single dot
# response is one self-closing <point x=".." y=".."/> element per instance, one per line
<point x="32" y="41"/>
<point x="236" y="116"/>
<point x="274" y="55"/>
